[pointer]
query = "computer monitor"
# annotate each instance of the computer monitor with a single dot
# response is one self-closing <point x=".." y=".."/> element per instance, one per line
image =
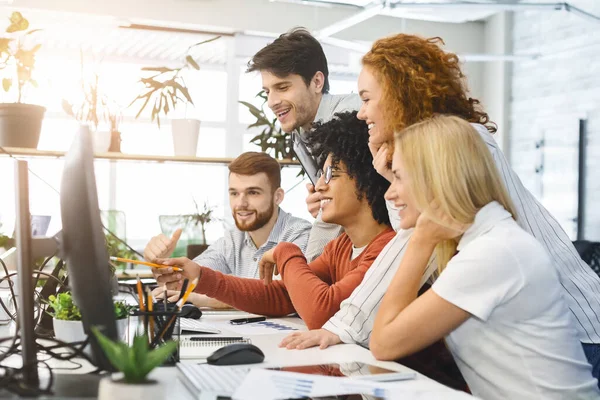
<point x="83" y="244"/>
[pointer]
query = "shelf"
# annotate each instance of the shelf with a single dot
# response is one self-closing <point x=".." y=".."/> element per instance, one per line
<point x="23" y="152"/>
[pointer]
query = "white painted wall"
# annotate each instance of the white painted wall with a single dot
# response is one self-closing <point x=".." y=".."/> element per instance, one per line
<point x="497" y="75"/>
<point x="549" y="95"/>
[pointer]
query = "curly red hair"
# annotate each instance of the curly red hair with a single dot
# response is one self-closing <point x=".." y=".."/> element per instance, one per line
<point x="419" y="80"/>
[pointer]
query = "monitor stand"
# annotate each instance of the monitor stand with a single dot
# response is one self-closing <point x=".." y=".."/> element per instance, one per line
<point x="28" y="249"/>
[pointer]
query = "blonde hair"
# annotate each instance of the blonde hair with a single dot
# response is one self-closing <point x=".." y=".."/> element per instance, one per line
<point x="447" y="161"/>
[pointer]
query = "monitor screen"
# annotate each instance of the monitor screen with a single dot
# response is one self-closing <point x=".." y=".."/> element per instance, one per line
<point x="83" y="244"/>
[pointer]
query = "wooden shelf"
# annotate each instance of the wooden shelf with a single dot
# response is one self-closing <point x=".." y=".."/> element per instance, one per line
<point x="23" y="152"/>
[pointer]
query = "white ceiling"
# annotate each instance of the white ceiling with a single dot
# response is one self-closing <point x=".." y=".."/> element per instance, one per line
<point x="425" y="10"/>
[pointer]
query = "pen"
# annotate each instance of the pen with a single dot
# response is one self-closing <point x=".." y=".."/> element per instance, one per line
<point x="127" y="260"/>
<point x="241" y="321"/>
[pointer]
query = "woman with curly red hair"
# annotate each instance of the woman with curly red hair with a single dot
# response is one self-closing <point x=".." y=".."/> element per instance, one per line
<point x="407" y="79"/>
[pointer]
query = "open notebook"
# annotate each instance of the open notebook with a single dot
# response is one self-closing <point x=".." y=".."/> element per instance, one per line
<point x="202" y="347"/>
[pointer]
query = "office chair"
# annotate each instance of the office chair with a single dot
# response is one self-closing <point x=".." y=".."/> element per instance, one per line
<point x="590" y="253"/>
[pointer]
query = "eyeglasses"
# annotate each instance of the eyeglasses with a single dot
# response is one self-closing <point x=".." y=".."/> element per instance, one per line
<point x="329" y="173"/>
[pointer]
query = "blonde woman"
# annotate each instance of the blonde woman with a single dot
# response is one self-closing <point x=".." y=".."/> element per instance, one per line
<point x="497" y="300"/>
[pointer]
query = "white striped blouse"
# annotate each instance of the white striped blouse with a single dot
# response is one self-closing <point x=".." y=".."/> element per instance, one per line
<point x="581" y="286"/>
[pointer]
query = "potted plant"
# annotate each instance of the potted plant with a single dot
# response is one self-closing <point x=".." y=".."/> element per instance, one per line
<point x="193" y="227"/>
<point x="134" y="363"/>
<point x="114" y="120"/>
<point x="20" y="123"/>
<point x="166" y="88"/>
<point x="6" y="242"/>
<point x="91" y="109"/>
<point x="66" y="318"/>
<point x="271" y="139"/>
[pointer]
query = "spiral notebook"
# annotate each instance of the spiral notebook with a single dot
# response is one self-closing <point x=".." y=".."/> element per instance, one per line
<point x="202" y="347"/>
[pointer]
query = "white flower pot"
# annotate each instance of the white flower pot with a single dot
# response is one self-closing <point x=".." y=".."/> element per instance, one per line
<point x="68" y="331"/>
<point x="72" y="331"/>
<point x="101" y="140"/>
<point x="185" y="136"/>
<point x="114" y="389"/>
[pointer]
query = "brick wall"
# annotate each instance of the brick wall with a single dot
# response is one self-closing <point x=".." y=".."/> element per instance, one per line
<point x="549" y="96"/>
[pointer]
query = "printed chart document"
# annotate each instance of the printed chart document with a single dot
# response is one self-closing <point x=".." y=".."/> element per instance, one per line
<point x="268" y="327"/>
<point x="267" y="384"/>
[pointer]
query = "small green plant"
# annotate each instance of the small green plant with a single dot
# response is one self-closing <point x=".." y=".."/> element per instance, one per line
<point x="137" y="361"/>
<point x="116" y="248"/>
<point x="14" y="52"/>
<point x="61" y="306"/>
<point x="6" y="241"/>
<point x="167" y="84"/>
<point x="203" y="218"/>
<point x="272" y="139"/>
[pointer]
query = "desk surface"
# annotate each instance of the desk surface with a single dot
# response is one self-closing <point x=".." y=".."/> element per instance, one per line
<point x="276" y="356"/>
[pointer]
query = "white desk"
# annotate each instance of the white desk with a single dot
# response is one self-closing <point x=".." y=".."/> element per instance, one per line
<point x="276" y="356"/>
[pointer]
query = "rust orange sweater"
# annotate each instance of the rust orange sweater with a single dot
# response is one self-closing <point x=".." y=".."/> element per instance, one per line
<point x="313" y="290"/>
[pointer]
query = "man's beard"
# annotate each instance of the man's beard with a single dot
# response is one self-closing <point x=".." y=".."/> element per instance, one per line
<point x="260" y="220"/>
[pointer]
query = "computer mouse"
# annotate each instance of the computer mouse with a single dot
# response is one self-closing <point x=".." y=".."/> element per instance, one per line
<point x="190" y="311"/>
<point x="235" y="354"/>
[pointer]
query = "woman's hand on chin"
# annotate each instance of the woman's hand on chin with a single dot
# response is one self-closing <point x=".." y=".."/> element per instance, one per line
<point x="303" y="340"/>
<point x="380" y="154"/>
<point x="434" y="226"/>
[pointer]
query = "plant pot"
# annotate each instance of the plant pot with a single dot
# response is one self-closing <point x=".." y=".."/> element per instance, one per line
<point x="185" y="136"/>
<point x="115" y="142"/>
<point x="115" y="389"/>
<point x="68" y="331"/>
<point x="101" y="141"/>
<point x="20" y="124"/>
<point x="72" y="331"/>
<point x="194" y="250"/>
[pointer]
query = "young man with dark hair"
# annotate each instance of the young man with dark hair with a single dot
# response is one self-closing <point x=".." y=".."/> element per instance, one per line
<point x="295" y="78"/>
<point x="352" y="193"/>
<point x="254" y="196"/>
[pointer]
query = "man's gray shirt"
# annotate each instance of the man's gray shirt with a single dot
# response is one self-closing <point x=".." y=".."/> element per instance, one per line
<point x="322" y="232"/>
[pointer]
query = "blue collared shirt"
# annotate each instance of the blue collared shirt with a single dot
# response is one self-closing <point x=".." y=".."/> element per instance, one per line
<point x="236" y="254"/>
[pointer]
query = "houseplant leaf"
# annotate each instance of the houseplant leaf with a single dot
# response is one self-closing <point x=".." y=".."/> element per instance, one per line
<point x="192" y="62"/>
<point x="6" y="84"/>
<point x="17" y="23"/>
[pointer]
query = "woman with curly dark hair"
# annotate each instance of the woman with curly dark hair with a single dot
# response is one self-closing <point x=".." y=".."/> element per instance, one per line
<point x="353" y="197"/>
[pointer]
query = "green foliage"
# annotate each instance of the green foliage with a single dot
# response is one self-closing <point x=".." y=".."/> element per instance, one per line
<point x="62" y="307"/>
<point x="6" y="241"/>
<point x="272" y="139"/>
<point x="202" y="218"/>
<point x="13" y="52"/>
<point x="166" y="84"/>
<point x="116" y="248"/>
<point x="137" y="361"/>
<point x="122" y="310"/>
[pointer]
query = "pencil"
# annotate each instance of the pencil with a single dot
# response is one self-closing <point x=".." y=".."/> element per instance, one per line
<point x="180" y="304"/>
<point x="191" y="287"/>
<point x="140" y="294"/>
<point x="150" y="309"/>
<point x="149" y="264"/>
